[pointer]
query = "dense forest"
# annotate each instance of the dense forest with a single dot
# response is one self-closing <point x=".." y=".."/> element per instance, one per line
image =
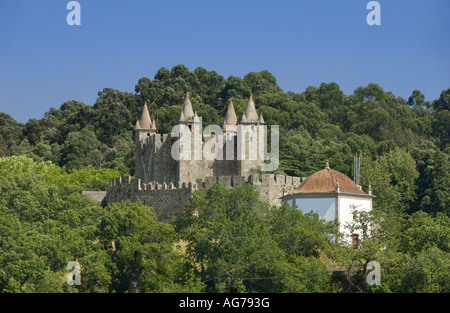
<point x="233" y="242"/>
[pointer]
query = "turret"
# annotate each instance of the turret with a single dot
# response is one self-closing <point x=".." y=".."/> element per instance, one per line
<point x="145" y="124"/>
<point x="187" y="113"/>
<point x="144" y="128"/>
<point x="261" y="119"/>
<point x="248" y="137"/>
<point x="230" y="116"/>
<point x="230" y="121"/>
<point x="250" y="116"/>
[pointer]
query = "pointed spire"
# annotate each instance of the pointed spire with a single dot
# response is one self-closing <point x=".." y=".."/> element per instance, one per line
<point x="196" y="118"/>
<point x="188" y="112"/>
<point x="369" y="190"/>
<point x="261" y="119"/>
<point x="327" y="165"/>
<point x="243" y="118"/>
<point x="230" y="116"/>
<point x="154" y="124"/>
<point x="250" y="111"/>
<point x="145" y="121"/>
<point x="137" y="126"/>
<point x="181" y="117"/>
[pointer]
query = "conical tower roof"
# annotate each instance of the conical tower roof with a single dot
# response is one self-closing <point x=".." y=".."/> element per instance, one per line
<point x="261" y="119"/>
<point x="181" y="117"/>
<point x="230" y="116"/>
<point x="250" y="111"/>
<point x="243" y="118"/>
<point x="137" y="126"/>
<point x="187" y="110"/>
<point x="145" y="121"/>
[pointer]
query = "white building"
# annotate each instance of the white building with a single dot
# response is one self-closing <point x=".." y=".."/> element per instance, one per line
<point x="333" y="196"/>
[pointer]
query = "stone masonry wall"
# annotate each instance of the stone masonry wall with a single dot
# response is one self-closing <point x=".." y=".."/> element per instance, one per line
<point x="154" y="161"/>
<point x="169" y="199"/>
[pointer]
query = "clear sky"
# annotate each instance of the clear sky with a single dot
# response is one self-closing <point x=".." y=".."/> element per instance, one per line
<point x="45" y="62"/>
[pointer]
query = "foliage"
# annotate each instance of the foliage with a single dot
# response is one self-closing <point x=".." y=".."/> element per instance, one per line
<point x="142" y="251"/>
<point x="234" y="242"/>
<point x="45" y="222"/>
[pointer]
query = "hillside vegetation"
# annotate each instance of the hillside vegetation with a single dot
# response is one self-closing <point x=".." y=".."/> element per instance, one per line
<point x="236" y="243"/>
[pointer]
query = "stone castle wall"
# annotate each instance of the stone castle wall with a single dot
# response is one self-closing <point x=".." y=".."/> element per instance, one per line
<point x="154" y="160"/>
<point x="169" y="199"/>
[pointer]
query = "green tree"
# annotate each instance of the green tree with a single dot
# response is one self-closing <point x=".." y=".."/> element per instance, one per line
<point x="301" y="234"/>
<point x="443" y="103"/>
<point x="427" y="272"/>
<point x="228" y="235"/>
<point x="441" y="127"/>
<point x="113" y="114"/>
<point x="416" y="100"/>
<point x="46" y="223"/>
<point x="235" y="88"/>
<point x="433" y="192"/>
<point x="377" y="241"/>
<point x="392" y="177"/>
<point x="261" y="82"/>
<point x="143" y="252"/>
<point x="10" y="135"/>
<point x="81" y="149"/>
<point x="423" y="232"/>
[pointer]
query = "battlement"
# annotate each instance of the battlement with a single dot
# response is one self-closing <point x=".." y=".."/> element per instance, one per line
<point x="136" y="184"/>
<point x="166" y="183"/>
<point x="168" y="199"/>
<point x="155" y="140"/>
<point x="202" y="184"/>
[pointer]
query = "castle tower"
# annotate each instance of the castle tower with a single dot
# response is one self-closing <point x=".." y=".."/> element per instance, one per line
<point x="145" y="122"/>
<point x="166" y="182"/>
<point x="153" y="160"/>
<point x="261" y="119"/>
<point x="228" y="164"/>
<point x="250" y="116"/>
<point x="144" y="129"/>
<point x="247" y="146"/>
<point x="187" y="113"/>
<point x="230" y="121"/>
<point x="188" y="170"/>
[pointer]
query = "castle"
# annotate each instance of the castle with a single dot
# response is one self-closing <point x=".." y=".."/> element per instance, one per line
<point x="165" y="178"/>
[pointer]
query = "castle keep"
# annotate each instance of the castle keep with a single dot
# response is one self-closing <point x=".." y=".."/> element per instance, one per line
<point x="165" y="180"/>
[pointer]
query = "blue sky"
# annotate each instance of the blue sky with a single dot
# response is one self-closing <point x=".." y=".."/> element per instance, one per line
<point x="45" y="62"/>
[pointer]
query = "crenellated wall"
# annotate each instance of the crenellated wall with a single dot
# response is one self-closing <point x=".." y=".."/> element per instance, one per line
<point x="153" y="157"/>
<point x="169" y="199"/>
<point x="154" y="160"/>
<point x="165" y="180"/>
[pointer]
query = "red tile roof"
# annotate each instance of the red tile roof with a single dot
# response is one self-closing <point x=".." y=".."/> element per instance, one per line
<point x="324" y="181"/>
